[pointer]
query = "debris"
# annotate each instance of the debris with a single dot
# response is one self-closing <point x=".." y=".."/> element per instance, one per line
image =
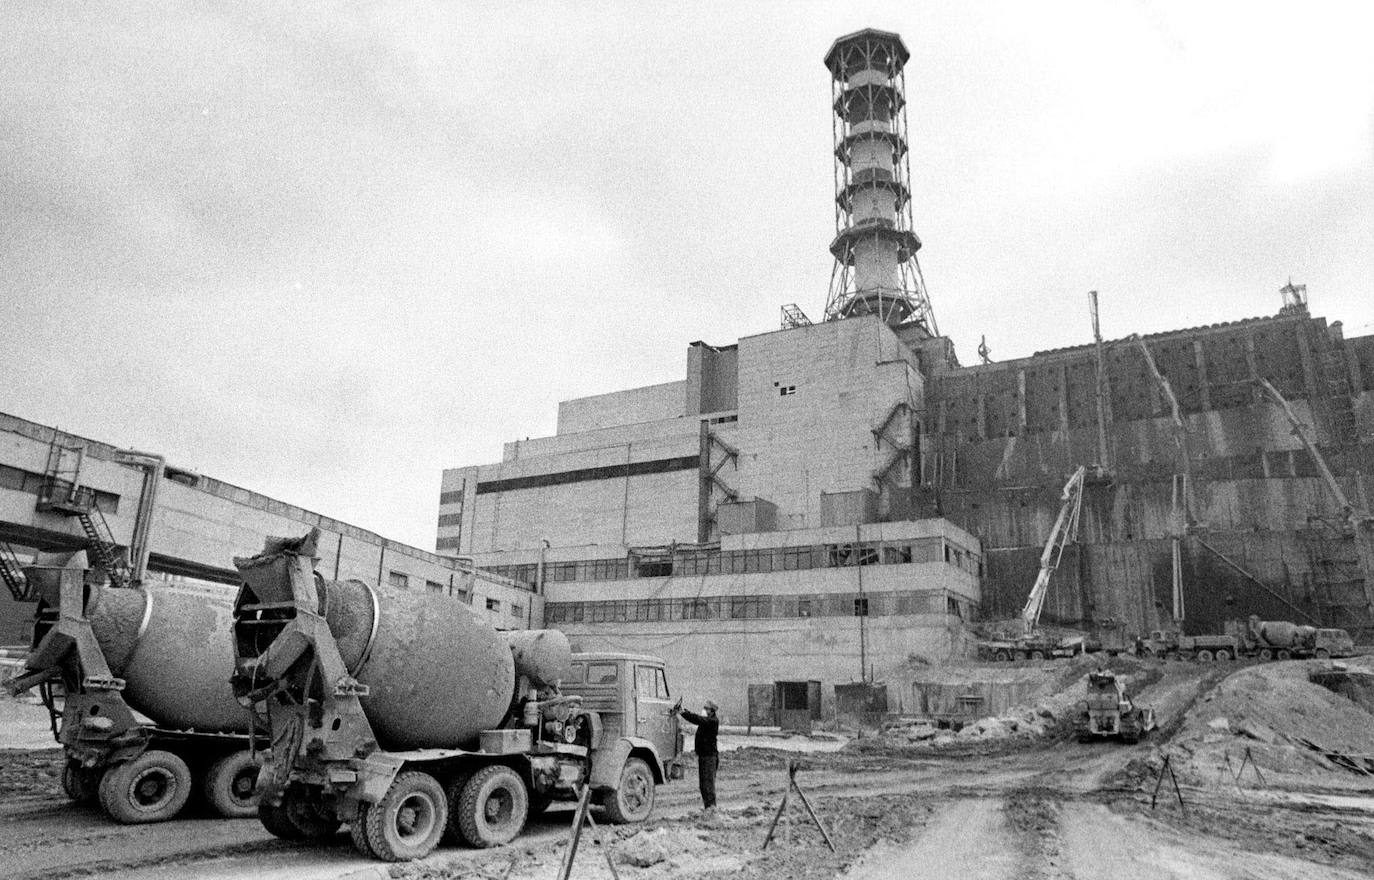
<point x="1256" y="730"/>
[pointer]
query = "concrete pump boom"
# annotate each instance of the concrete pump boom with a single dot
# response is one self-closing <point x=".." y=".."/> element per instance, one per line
<point x="1065" y="529"/>
<point x="1348" y="511"/>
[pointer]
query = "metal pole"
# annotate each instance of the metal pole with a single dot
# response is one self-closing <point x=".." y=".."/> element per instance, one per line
<point x="1102" y="452"/>
<point x="579" y="817"/>
<point x="863" y="606"/>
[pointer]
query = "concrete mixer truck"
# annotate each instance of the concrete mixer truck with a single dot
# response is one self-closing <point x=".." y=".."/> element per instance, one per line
<point x="102" y="653"/>
<point x="408" y="719"/>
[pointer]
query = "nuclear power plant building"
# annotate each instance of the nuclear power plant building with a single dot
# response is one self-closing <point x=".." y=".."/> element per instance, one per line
<point x="840" y="501"/>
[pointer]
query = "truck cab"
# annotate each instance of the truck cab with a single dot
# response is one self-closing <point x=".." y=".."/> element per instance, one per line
<point x="1332" y="643"/>
<point x="629" y="692"/>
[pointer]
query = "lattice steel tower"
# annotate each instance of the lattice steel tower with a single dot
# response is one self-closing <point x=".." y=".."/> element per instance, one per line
<point x="876" y="271"/>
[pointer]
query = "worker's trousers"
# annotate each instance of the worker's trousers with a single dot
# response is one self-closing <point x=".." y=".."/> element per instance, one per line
<point x="706" y="777"/>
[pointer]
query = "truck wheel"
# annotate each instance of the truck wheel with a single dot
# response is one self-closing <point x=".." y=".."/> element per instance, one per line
<point x="453" y="794"/>
<point x="1037" y="655"/>
<point x="82" y="784"/>
<point x="633" y="798"/>
<point x="1223" y="655"/>
<point x="1284" y="654"/>
<point x="230" y="786"/>
<point x="1002" y="657"/>
<point x="151" y="788"/>
<point x="357" y="829"/>
<point x="1266" y="654"/>
<point x="1322" y="654"/>
<point x="301" y="815"/>
<point x="493" y="807"/>
<point x="1204" y="656"/>
<point x="409" y="820"/>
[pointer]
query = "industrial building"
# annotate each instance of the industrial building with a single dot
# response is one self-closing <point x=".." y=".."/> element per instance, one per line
<point x="142" y="520"/>
<point x="838" y="502"/>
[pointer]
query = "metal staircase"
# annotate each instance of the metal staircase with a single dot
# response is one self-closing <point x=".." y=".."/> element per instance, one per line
<point x="712" y="485"/>
<point x="12" y="574"/>
<point x="109" y="556"/>
<point x="897" y="434"/>
<point x="62" y="493"/>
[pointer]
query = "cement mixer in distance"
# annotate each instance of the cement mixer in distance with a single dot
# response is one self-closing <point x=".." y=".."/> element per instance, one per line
<point x="407" y="718"/>
<point x="100" y="654"/>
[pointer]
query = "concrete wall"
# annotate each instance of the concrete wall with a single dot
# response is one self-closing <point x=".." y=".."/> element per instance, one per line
<point x="648" y="404"/>
<point x="598" y="503"/>
<point x="712" y="378"/>
<point x="848" y="376"/>
<point x="823" y="649"/>
<point x="779" y="644"/>
<point x="1001" y="438"/>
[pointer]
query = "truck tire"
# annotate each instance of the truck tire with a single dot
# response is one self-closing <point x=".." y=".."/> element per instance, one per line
<point x="453" y="793"/>
<point x="151" y="788"/>
<point x="409" y="820"/>
<point x="300" y="816"/>
<point x="1223" y="655"/>
<point x="1204" y="656"/>
<point x="493" y="806"/>
<point x="82" y="784"/>
<point x="1002" y="657"/>
<point x="1322" y="654"/>
<point x="357" y="829"/>
<point x="1037" y="655"/>
<point x="633" y="798"/>
<point x="1284" y="654"/>
<point x="1266" y="654"/>
<point x="230" y="785"/>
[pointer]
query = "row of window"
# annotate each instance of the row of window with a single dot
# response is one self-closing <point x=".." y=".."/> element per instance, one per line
<point x="401" y="581"/>
<point x="697" y="562"/>
<point x="757" y="607"/>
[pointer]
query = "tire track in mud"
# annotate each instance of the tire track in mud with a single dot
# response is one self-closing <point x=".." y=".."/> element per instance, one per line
<point x="103" y="867"/>
<point x="1033" y="816"/>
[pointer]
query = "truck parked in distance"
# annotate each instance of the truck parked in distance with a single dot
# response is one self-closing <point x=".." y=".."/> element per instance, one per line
<point x="1284" y="640"/>
<point x="1251" y="638"/>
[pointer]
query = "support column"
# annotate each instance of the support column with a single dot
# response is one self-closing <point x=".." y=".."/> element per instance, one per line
<point x="1203" y="386"/>
<point x="1021" y="401"/>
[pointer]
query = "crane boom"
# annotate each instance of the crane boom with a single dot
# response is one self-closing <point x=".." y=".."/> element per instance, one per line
<point x="1065" y="529"/>
<point x="1348" y="511"/>
<point x="1179" y="428"/>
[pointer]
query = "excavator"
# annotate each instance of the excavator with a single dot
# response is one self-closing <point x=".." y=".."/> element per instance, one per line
<point x="1030" y="643"/>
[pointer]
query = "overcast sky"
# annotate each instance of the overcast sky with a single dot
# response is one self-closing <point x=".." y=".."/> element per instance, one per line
<point x="324" y="251"/>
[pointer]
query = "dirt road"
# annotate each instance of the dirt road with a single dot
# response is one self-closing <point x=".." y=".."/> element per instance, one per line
<point x="1042" y="808"/>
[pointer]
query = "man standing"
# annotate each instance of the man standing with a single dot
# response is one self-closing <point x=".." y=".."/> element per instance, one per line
<point x="708" y="756"/>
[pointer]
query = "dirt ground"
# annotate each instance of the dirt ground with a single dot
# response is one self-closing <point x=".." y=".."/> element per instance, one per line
<point x="1029" y="802"/>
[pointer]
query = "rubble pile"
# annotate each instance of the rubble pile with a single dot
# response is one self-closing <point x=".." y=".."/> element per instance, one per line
<point x="1277" y="713"/>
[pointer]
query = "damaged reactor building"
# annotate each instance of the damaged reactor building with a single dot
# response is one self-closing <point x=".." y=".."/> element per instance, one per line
<point x="839" y="502"/>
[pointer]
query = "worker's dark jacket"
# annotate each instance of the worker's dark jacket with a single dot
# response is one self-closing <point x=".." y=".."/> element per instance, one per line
<point x="707" y="729"/>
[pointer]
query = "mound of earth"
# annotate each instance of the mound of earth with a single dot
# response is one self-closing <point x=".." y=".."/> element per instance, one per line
<point x="1274" y="709"/>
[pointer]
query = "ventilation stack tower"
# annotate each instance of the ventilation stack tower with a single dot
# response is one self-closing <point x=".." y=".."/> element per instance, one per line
<point x="875" y="246"/>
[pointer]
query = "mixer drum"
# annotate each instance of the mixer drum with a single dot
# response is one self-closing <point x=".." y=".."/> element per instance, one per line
<point x="171" y="645"/>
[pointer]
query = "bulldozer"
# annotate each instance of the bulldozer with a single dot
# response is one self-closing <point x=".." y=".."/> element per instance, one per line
<point x="1109" y="713"/>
